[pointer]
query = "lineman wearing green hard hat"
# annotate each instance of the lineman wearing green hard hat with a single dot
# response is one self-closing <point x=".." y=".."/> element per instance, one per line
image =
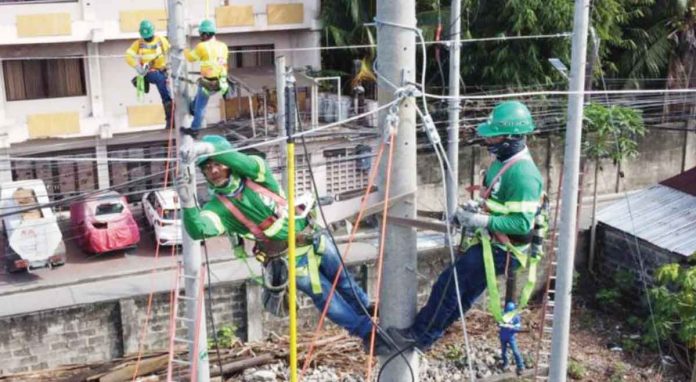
<point x="247" y="201"/>
<point x="503" y="220"/>
<point x="212" y="55"/>
<point x="148" y="56"/>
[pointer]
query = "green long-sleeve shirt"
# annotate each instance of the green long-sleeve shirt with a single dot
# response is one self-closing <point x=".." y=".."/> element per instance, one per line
<point x="515" y="197"/>
<point x="215" y="219"/>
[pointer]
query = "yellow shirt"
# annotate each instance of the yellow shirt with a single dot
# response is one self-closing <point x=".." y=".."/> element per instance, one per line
<point x="153" y="53"/>
<point x="213" y="57"/>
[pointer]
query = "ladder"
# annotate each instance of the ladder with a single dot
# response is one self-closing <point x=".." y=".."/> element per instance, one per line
<point x="543" y="351"/>
<point x="176" y="318"/>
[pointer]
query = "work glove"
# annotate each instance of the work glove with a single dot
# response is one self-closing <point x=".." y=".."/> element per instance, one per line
<point x="466" y="218"/>
<point x="186" y="197"/>
<point x="141" y="70"/>
<point x="192" y="150"/>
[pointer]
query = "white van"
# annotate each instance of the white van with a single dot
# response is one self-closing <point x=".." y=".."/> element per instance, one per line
<point x="163" y="213"/>
<point x="32" y="236"/>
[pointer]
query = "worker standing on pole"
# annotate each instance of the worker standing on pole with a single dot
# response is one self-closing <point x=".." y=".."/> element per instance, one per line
<point x="249" y="202"/>
<point x="148" y="56"/>
<point x="510" y="201"/>
<point x="212" y="55"/>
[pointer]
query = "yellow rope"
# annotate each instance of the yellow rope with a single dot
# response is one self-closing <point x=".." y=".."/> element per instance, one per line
<point x="291" y="261"/>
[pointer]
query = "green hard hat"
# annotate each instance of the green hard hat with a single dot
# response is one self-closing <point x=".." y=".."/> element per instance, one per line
<point x="207" y="26"/>
<point x="507" y="118"/>
<point x="147" y="29"/>
<point x="219" y="142"/>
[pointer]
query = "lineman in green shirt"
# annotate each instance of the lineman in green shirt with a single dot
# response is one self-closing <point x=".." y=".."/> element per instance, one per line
<point x="508" y="214"/>
<point x="249" y="202"/>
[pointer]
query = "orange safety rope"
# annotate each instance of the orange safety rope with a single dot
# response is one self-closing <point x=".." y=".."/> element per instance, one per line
<point x="148" y="312"/>
<point x="363" y="205"/>
<point x="381" y="255"/>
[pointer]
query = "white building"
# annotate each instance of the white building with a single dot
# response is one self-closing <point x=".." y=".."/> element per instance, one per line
<point x="66" y="86"/>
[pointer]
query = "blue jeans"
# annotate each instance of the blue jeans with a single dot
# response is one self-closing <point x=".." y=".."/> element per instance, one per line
<point x="199" y="104"/>
<point x="345" y="308"/>
<point x="442" y="309"/>
<point x="159" y="79"/>
<point x="519" y="362"/>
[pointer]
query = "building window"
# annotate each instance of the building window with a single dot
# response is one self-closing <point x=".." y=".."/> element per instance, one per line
<point x="251" y="56"/>
<point x="36" y="79"/>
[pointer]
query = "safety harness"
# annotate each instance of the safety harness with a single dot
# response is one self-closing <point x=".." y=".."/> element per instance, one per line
<point x="269" y="251"/>
<point x="529" y="261"/>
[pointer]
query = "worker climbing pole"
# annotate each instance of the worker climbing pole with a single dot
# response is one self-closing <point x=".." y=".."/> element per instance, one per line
<point x="148" y="56"/>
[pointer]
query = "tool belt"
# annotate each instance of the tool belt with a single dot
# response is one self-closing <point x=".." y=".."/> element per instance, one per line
<point x="264" y="251"/>
<point x="209" y="83"/>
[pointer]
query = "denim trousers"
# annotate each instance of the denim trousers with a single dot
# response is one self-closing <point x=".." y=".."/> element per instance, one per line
<point x="442" y="309"/>
<point x="519" y="362"/>
<point x="346" y="307"/>
<point x="199" y="105"/>
<point x="159" y="79"/>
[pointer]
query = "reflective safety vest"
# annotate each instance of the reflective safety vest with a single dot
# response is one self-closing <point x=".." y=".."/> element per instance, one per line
<point x="212" y="55"/>
<point x="527" y="255"/>
<point x="153" y="53"/>
<point x="305" y="246"/>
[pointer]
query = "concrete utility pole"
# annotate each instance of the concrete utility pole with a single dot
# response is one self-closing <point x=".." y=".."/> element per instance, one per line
<point x="571" y="169"/>
<point x="191" y="249"/>
<point x="396" y="59"/>
<point x="280" y="116"/>
<point x="453" y="129"/>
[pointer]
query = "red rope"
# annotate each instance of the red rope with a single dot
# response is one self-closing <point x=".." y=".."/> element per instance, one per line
<point x="363" y="205"/>
<point x="380" y="257"/>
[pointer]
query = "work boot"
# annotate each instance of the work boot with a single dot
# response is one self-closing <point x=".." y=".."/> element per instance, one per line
<point x="403" y="338"/>
<point x="189" y="131"/>
<point x="168" y="114"/>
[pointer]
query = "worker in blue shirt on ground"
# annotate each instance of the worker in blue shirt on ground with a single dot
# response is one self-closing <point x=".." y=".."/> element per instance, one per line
<point x="508" y="331"/>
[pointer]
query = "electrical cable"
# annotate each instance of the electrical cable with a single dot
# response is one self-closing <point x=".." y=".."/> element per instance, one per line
<point x="333" y="241"/>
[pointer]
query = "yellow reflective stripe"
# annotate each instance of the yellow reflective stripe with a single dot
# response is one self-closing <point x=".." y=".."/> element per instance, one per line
<point x="131" y="52"/>
<point x="214" y="219"/>
<point x="261" y="176"/>
<point x="522" y="206"/>
<point x="274" y="228"/>
<point x="496" y="207"/>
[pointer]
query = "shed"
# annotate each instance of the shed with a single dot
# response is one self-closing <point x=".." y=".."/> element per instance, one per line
<point x="649" y="228"/>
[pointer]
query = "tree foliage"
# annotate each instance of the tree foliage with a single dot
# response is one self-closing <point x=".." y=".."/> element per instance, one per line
<point x="675" y="304"/>
<point x="611" y="131"/>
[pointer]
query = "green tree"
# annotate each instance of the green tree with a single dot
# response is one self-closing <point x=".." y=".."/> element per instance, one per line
<point x="674" y="302"/>
<point x="610" y="132"/>
<point x="665" y="45"/>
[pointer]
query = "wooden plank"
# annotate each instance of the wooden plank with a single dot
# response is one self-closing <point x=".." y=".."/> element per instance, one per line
<point x="129" y="21"/>
<point x="234" y="16"/>
<point x="53" y="124"/>
<point x="44" y="24"/>
<point x="146" y="366"/>
<point x="281" y="14"/>
<point x="145" y="115"/>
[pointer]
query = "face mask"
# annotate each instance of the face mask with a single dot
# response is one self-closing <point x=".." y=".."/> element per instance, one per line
<point x="507" y="148"/>
<point x="150" y="39"/>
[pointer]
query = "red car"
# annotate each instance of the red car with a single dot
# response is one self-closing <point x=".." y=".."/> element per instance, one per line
<point x="104" y="223"/>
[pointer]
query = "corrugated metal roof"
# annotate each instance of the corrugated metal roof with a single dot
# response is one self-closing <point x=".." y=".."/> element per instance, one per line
<point x="660" y="215"/>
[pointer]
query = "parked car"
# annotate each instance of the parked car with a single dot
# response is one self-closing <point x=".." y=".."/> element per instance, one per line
<point x="163" y="212"/>
<point x="32" y="236"/>
<point x="104" y="223"/>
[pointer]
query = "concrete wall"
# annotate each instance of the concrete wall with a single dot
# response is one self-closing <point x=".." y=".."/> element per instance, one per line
<point x="663" y="154"/>
<point x="103" y="331"/>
